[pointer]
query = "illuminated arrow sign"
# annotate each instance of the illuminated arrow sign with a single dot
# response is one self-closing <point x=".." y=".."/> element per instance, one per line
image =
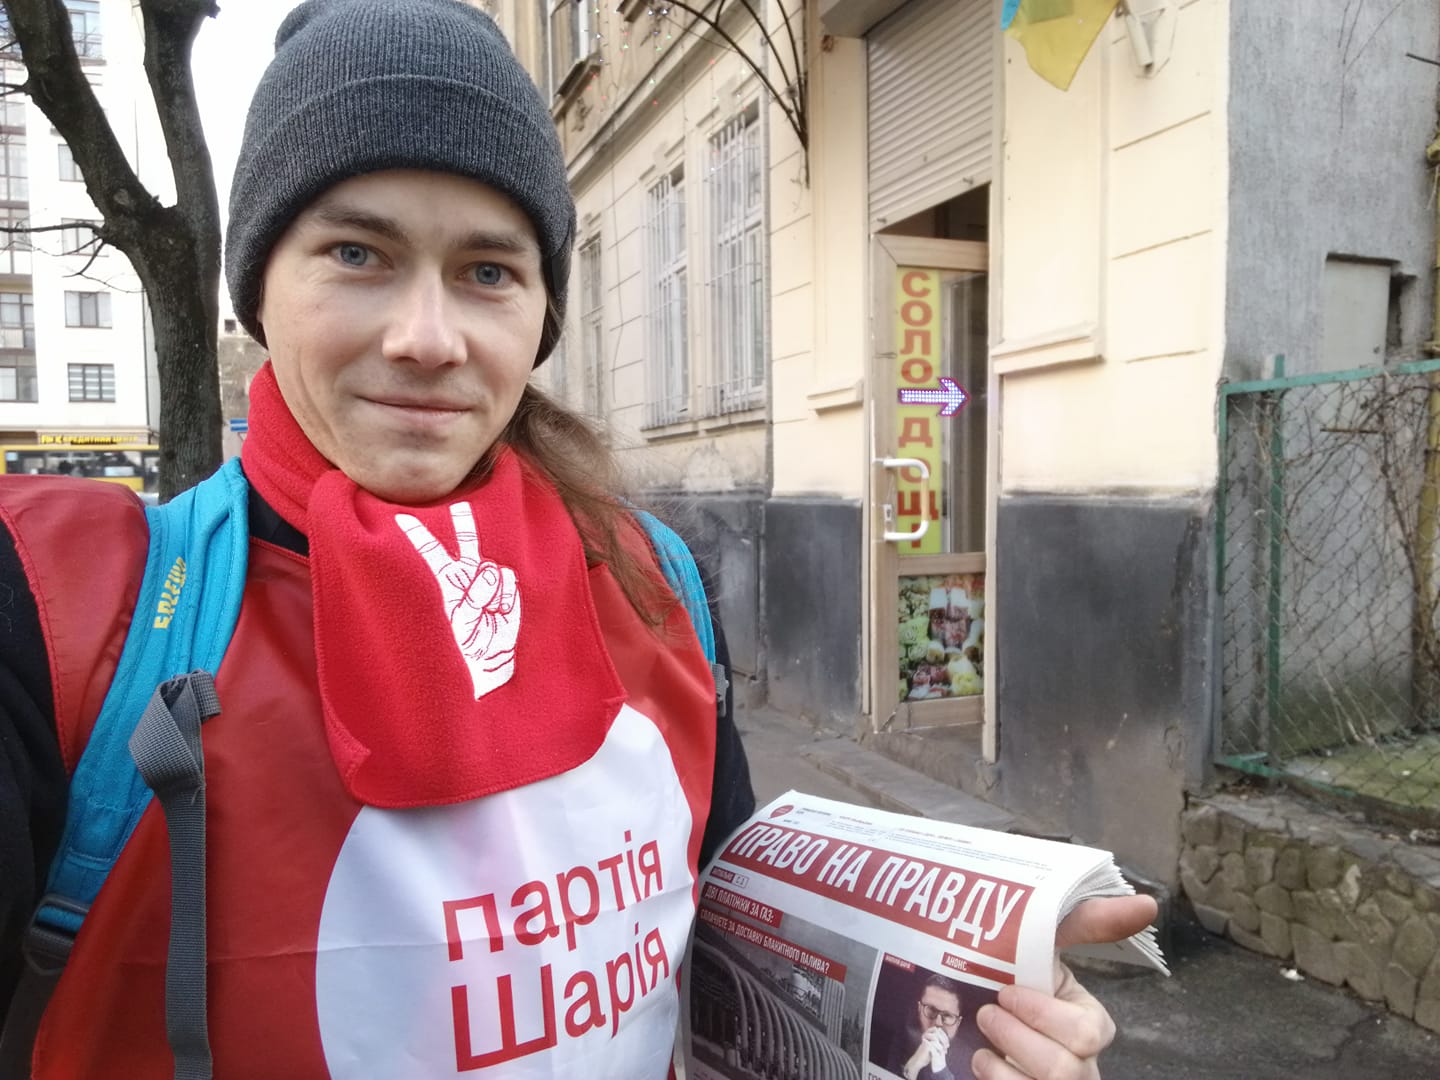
<point x="948" y="395"/>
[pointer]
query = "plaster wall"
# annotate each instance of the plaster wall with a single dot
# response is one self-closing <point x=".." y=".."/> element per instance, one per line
<point x="1112" y="238"/>
<point x="1328" y="122"/>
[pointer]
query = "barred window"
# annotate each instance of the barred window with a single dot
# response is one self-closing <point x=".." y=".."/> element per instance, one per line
<point x="69" y="171"/>
<point x="87" y="309"/>
<point x="669" y="364"/>
<point x="736" y="286"/>
<point x="592" y="329"/>
<point x="92" y="382"/>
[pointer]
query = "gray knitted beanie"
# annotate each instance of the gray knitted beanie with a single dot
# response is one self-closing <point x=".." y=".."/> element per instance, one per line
<point x="358" y="86"/>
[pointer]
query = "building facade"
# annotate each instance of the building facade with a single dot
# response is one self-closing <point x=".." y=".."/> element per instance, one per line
<point x="1019" y="597"/>
<point x="686" y="175"/>
<point x="77" y="372"/>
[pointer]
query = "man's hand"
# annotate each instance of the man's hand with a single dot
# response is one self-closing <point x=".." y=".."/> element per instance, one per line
<point x="938" y="1043"/>
<point x="481" y="598"/>
<point x="931" y="1050"/>
<point x="1059" y="1037"/>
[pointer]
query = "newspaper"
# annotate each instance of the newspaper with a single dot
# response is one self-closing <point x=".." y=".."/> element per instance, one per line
<point x="836" y="942"/>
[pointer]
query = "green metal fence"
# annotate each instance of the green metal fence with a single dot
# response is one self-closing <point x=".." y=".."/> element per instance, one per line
<point x="1328" y="521"/>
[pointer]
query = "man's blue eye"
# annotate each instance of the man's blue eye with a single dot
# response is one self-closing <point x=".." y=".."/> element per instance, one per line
<point x="352" y="254"/>
<point x="489" y="274"/>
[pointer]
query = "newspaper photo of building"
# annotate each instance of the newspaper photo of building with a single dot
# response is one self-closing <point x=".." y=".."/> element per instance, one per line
<point x="782" y="1002"/>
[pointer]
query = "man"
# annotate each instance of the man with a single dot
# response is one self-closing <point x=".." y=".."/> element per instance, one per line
<point x="426" y="853"/>
<point x="467" y="747"/>
<point x="932" y="1030"/>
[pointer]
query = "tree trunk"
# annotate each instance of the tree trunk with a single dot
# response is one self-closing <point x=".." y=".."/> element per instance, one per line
<point x="175" y="250"/>
<point x="183" y="299"/>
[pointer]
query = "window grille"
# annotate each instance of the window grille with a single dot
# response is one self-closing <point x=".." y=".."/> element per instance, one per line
<point x="669" y="363"/>
<point x="592" y="330"/>
<point x="736" y="286"/>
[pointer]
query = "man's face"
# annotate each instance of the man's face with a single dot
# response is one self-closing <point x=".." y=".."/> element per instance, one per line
<point x="939" y="1008"/>
<point x="403" y="312"/>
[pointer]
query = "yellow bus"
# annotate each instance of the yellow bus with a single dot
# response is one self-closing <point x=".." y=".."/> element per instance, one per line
<point x="136" y="465"/>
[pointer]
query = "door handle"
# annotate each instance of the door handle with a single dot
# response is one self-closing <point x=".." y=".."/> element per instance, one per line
<point x="888" y="511"/>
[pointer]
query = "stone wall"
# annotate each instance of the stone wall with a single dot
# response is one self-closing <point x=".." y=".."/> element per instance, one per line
<point x="1343" y="903"/>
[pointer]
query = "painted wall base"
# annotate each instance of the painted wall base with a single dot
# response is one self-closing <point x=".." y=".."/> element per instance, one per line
<point x="812" y="604"/>
<point x="1103" y="655"/>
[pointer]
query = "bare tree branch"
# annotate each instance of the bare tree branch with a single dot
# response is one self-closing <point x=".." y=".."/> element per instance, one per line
<point x="175" y="250"/>
<point x="84" y="271"/>
<point x="57" y="83"/>
<point x="14" y="229"/>
<point x="170" y="30"/>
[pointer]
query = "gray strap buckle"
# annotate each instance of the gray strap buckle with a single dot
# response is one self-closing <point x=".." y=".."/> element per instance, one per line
<point x="167" y="750"/>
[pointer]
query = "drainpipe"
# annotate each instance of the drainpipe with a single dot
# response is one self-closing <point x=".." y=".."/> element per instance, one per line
<point x="1428" y="523"/>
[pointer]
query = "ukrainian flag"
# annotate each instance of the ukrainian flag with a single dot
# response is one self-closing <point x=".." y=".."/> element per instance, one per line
<point x="1056" y="34"/>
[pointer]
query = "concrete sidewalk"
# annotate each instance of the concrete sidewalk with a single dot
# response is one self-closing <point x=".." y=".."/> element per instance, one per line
<point x="1225" y="1014"/>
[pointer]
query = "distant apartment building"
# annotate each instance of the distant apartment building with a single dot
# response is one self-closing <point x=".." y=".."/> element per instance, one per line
<point x="77" y="385"/>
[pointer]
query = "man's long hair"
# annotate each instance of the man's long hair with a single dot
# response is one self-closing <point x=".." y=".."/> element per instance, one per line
<point x="569" y="450"/>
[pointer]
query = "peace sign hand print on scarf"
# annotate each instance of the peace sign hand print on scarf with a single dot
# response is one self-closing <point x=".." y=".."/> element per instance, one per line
<point x="481" y="598"/>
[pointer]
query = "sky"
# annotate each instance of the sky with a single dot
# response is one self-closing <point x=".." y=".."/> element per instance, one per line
<point x="229" y="57"/>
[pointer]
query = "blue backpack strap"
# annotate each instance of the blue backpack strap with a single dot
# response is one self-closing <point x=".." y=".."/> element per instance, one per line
<point x="186" y="612"/>
<point x="683" y="577"/>
<point x="183" y="619"/>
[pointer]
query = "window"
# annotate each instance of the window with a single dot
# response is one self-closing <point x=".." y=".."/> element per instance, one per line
<point x="14" y="246"/>
<point x="553" y="374"/>
<point x="592" y="329"/>
<point x="17" y="322"/>
<point x="85" y="27"/>
<point x="78" y="237"/>
<point x="92" y="382"/>
<point x="87" y="309"/>
<point x="14" y="173"/>
<point x="17" y="348"/>
<point x="12" y="102"/>
<point x="735" y="197"/>
<point x="669" y="365"/>
<point x="68" y="169"/>
<point x="17" y="379"/>
<point x="570" y="34"/>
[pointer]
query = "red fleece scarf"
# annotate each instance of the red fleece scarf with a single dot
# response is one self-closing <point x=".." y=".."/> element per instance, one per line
<point x="457" y="646"/>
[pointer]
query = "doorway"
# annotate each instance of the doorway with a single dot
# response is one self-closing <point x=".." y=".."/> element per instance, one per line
<point x="928" y="486"/>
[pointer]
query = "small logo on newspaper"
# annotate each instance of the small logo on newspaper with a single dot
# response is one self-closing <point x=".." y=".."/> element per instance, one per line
<point x="781" y="811"/>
